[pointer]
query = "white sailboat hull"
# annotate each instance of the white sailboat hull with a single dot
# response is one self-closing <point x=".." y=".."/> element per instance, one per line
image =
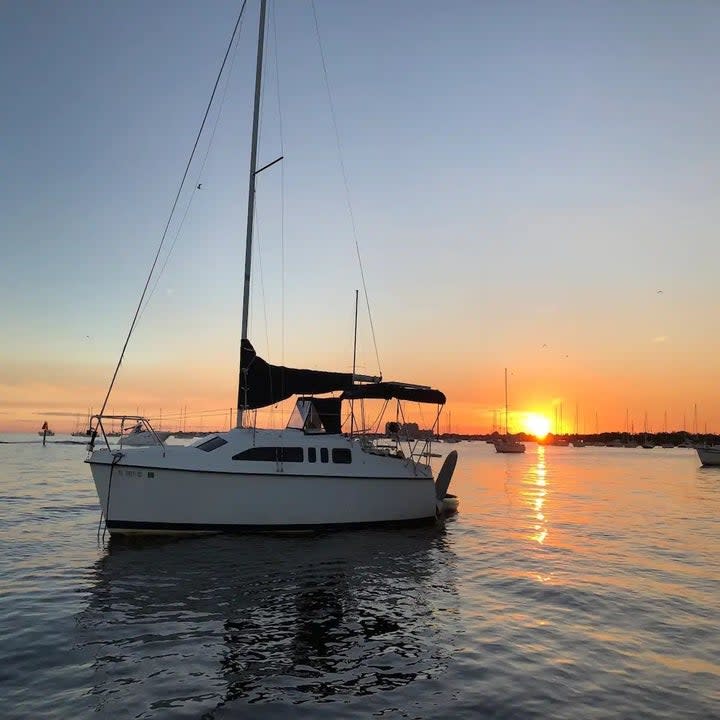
<point x="201" y="502"/>
<point x="709" y="456"/>
<point x="149" y="490"/>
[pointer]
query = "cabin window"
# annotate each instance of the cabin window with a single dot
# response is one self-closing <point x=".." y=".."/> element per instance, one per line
<point x="323" y="455"/>
<point x="271" y="454"/>
<point x="312" y="455"/>
<point x="212" y="444"/>
<point x="341" y="455"/>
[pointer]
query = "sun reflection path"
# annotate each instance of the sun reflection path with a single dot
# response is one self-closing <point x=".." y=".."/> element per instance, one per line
<point x="536" y="478"/>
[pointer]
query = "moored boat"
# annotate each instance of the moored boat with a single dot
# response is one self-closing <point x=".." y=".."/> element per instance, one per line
<point x="307" y="476"/>
<point x="313" y="474"/>
<point x="709" y="455"/>
<point x="506" y="443"/>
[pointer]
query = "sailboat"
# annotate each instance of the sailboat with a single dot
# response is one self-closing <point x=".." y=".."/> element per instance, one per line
<point x="647" y="443"/>
<point x="308" y="476"/>
<point x="505" y="443"/>
<point x="449" y="437"/>
<point x="86" y="431"/>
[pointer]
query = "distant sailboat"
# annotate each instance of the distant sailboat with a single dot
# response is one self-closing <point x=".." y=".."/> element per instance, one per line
<point x="578" y="442"/>
<point x="87" y="431"/>
<point x="667" y="443"/>
<point x="448" y="438"/>
<point x="559" y="439"/>
<point x="647" y="443"/>
<point x="505" y="443"/>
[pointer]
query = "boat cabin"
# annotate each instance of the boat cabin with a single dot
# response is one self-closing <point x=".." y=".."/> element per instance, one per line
<point x="315" y="415"/>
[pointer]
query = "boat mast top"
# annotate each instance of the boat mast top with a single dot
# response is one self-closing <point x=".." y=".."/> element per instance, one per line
<point x="251" y="191"/>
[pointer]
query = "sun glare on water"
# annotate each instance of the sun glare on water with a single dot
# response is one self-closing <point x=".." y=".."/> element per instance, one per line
<point x="536" y="424"/>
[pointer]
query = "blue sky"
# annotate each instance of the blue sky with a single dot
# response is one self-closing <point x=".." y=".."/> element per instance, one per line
<point x="521" y="174"/>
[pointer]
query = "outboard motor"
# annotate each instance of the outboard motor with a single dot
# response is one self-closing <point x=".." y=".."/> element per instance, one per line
<point x="443" y="482"/>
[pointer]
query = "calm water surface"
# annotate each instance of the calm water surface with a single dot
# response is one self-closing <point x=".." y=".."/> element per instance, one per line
<point x="574" y="583"/>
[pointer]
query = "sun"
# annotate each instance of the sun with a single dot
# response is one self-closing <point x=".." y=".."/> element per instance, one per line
<point x="536" y="424"/>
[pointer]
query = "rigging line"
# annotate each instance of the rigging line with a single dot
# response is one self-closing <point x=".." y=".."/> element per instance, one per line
<point x="200" y="413"/>
<point x="282" y="192"/>
<point x="172" y="210"/>
<point x="198" y="176"/>
<point x="258" y="255"/>
<point x="375" y="424"/>
<point x="345" y="181"/>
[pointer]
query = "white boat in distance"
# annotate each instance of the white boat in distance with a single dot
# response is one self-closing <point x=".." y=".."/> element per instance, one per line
<point x="506" y="443"/>
<point x="307" y="476"/>
<point x="709" y="455"/>
<point x="141" y="436"/>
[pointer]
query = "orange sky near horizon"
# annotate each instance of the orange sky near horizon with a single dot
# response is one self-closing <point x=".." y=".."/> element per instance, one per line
<point x="36" y="392"/>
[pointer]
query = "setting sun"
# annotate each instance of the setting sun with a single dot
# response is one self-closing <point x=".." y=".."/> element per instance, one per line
<point x="537" y="425"/>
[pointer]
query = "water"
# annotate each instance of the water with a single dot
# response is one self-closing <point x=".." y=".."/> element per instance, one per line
<point x="574" y="583"/>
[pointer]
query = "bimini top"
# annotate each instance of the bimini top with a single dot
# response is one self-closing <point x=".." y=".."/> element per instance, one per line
<point x="394" y="390"/>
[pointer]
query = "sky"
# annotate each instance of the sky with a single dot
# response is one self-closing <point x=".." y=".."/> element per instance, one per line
<point x="532" y="185"/>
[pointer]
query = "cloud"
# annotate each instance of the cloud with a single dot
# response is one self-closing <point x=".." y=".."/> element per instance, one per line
<point x="56" y="413"/>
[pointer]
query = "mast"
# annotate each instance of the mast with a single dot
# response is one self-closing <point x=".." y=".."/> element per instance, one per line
<point x="576" y="419"/>
<point x="506" y="404"/>
<point x="352" y="402"/>
<point x="251" y="194"/>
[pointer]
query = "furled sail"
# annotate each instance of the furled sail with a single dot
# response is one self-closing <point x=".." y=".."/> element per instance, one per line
<point x="262" y="384"/>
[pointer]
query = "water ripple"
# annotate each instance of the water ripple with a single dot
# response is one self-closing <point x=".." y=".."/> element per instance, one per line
<point x="573" y="584"/>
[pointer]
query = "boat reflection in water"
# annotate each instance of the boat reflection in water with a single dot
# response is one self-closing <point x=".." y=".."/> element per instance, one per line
<point x="200" y="623"/>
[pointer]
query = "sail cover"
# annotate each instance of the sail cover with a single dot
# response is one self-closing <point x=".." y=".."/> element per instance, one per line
<point x="262" y="384"/>
<point x="399" y="391"/>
